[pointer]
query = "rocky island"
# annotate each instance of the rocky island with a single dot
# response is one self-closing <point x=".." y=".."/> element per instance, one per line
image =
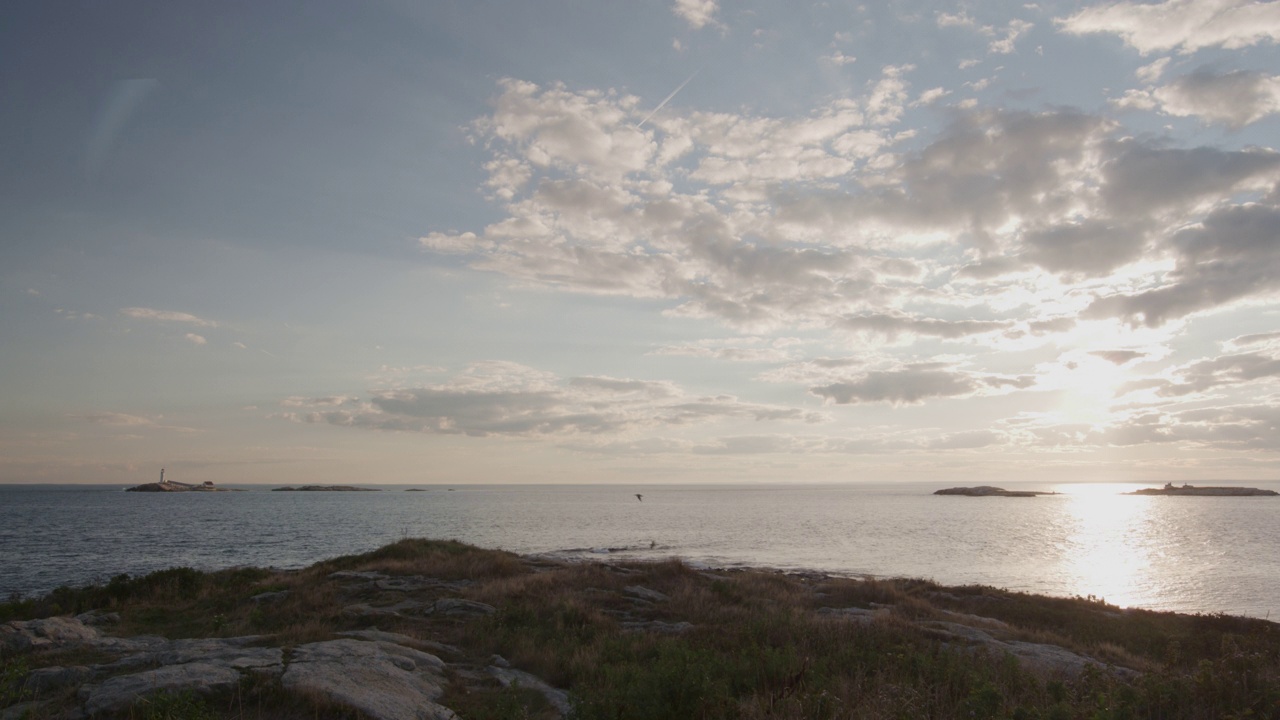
<point x="170" y="486"/>
<point x="990" y="491"/>
<point x="325" y="488"/>
<point x="425" y="629"/>
<point x="1170" y="489"/>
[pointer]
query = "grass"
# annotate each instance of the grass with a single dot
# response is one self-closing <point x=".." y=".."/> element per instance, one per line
<point x="758" y="647"/>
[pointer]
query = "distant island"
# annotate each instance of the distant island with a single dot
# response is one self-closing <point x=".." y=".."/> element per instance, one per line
<point x="1171" y="489"/>
<point x="991" y="491"/>
<point x="325" y="488"/>
<point x="171" y="486"/>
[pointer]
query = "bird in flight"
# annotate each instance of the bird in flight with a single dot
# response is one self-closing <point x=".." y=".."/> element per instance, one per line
<point x="639" y="497"/>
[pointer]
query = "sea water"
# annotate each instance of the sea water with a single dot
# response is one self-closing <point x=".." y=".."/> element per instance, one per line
<point x="1188" y="554"/>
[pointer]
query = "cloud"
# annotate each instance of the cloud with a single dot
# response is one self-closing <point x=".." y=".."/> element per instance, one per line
<point x="1184" y="25"/>
<point x="912" y="385"/>
<point x="126" y="421"/>
<point x="897" y="387"/>
<point x="1141" y="180"/>
<point x="892" y="326"/>
<point x="1014" y="30"/>
<point x="166" y="316"/>
<point x="829" y="221"/>
<point x="727" y="353"/>
<point x="116" y="419"/>
<point x="1205" y="375"/>
<point x="1152" y="71"/>
<point x="1230" y="256"/>
<point x="698" y="13"/>
<point x="508" y="399"/>
<point x="196" y="339"/>
<point x="1118" y="357"/>
<point x="1235" y="98"/>
<point x="1092" y="247"/>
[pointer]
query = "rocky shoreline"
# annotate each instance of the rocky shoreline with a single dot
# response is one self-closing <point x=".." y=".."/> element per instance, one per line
<point x="440" y="630"/>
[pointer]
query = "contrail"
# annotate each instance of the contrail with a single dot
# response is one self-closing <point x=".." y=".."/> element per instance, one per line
<point x="666" y="100"/>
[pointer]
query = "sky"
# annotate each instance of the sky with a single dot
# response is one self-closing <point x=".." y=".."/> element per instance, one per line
<point x="639" y="241"/>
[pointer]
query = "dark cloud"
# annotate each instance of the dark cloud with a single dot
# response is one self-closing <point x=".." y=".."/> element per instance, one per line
<point x="1118" y="357"/>
<point x="1233" y="254"/>
<point x="1140" y="179"/>
<point x="1092" y="248"/>
<point x="908" y="386"/>
<point x="1222" y="371"/>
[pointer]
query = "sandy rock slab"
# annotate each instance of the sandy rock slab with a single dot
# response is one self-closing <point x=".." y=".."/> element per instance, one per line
<point x="381" y="679"/>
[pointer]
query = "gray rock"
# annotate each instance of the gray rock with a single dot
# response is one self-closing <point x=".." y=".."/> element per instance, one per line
<point x="380" y="679"/>
<point x="21" y="710"/>
<point x="234" y="653"/>
<point x="963" y="632"/>
<point x="378" y="635"/>
<point x="367" y="610"/>
<point x="859" y="615"/>
<point x="120" y="692"/>
<point x="658" y="626"/>
<point x="354" y="575"/>
<point x="407" y="583"/>
<point x="644" y="593"/>
<point x="42" y="680"/>
<point x="136" y="644"/>
<point x="98" y="617"/>
<point x="510" y="677"/>
<point x="458" y="606"/>
<point x="270" y="597"/>
<point x="45" y="634"/>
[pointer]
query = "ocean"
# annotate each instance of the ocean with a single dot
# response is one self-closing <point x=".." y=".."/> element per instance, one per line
<point x="1187" y="554"/>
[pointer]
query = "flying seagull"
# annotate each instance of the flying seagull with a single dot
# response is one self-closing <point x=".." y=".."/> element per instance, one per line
<point x="639" y="497"/>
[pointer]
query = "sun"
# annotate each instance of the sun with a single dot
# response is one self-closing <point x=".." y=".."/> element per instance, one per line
<point x="1089" y="387"/>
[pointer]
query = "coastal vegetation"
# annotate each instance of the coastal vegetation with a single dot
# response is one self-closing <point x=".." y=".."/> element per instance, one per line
<point x="530" y="637"/>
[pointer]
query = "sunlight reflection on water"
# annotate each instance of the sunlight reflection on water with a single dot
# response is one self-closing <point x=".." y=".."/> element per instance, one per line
<point x="1212" y="554"/>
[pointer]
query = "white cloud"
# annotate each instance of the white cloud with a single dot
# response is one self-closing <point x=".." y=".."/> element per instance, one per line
<point x="1007" y="44"/>
<point x="1152" y="71"/>
<point x="166" y="316"/>
<point x="196" y="339"/>
<point x="1184" y="25"/>
<point x="1235" y="98"/>
<point x="508" y="399"/>
<point x="698" y="13"/>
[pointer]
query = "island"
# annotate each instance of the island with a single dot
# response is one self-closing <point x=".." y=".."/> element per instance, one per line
<point x="991" y="491"/>
<point x="171" y="486"/>
<point x="325" y="488"/>
<point x="1171" y="489"/>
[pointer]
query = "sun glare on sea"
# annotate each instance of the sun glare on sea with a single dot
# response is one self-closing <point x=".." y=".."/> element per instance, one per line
<point x="1109" y="546"/>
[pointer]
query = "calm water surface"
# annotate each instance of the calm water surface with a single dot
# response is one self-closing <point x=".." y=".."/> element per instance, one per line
<point x="1215" y="554"/>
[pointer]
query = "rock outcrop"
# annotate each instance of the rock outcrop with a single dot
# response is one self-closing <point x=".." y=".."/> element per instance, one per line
<point x="381" y="679"/>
